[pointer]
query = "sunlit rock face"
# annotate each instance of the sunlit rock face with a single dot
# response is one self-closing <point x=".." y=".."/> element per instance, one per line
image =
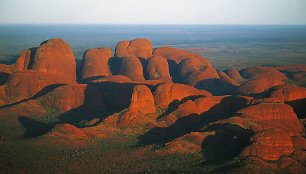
<point x="95" y="64"/>
<point x="141" y="48"/>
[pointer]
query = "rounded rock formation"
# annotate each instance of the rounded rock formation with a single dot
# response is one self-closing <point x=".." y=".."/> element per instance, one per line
<point x="269" y="144"/>
<point x="132" y="68"/>
<point x="95" y="63"/>
<point x="25" y="84"/>
<point x="78" y="96"/>
<point x="54" y="56"/>
<point x="141" y="48"/>
<point x="158" y="69"/>
<point x="272" y="115"/>
<point x="166" y="93"/>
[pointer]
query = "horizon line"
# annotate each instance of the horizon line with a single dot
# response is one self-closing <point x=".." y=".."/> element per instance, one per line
<point x="150" y="24"/>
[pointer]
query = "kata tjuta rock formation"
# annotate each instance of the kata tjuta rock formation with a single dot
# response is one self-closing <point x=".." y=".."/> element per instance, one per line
<point x="164" y="96"/>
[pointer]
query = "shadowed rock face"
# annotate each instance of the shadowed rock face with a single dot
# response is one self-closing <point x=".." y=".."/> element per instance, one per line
<point x="233" y="74"/>
<point x="25" y="84"/>
<point x="68" y="97"/>
<point x="95" y="63"/>
<point x="141" y="48"/>
<point x="291" y="94"/>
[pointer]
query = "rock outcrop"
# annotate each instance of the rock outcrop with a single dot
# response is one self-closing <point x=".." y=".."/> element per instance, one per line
<point x="95" y="64"/>
<point x="132" y="68"/>
<point x="260" y="79"/>
<point x="141" y="48"/>
<point x="54" y="56"/>
<point x="167" y="93"/>
<point x="158" y="69"/>
<point x="269" y="144"/>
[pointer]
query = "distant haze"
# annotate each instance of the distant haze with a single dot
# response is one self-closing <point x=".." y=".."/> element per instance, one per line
<point x="153" y="11"/>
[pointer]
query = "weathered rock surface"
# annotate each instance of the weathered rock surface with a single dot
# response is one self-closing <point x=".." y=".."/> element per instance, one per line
<point x="260" y="79"/>
<point x="168" y="92"/>
<point x="78" y="96"/>
<point x="158" y="69"/>
<point x="132" y="68"/>
<point x="269" y="144"/>
<point x="25" y="84"/>
<point x="95" y="63"/>
<point x="141" y="48"/>
<point x="54" y="56"/>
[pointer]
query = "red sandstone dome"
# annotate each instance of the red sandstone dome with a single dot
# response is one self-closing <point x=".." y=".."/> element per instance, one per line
<point x="234" y="74"/>
<point x="45" y="77"/>
<point x="226" y="79"/>
<point x="141" y="48"/>
<point x="177" y="55"/>
<point x="272" y="115"/>
<point x="191" y="71"/>
<point x="166" y="93"/>
<point x="260" y="79"/>
<point x="25" y="84"/>
<point x="132" y="68"/>
<point x="95" y="63"/>
<point x="158" y="69"/>
<point x="55" y="56"/>
<point x="269" y="144"/>
<point x="76" y="96"/>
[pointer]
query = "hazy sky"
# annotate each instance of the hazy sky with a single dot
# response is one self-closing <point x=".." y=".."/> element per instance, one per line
<point x="154" y="11"/>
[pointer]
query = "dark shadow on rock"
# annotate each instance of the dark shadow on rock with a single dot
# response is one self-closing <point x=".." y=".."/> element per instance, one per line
<point x="114" y="65"/>
<point x="89" y="110"/>
<point x="172" y="70"/>
<point x="144" y="64"/>
<point x="78" y="69"/>
<point x="3" y="77"/>
<point x="32" y="56"/>
<point x="42" y="92"/>
<point x="34" y="128"/>
<point x="92" y="78"/>
<point x="193" y="123"/>
<point x="299" y="107"/>
<point x="216" y="87"/>
<point x="229" y="141"/>
<point x="176" y="103"/>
